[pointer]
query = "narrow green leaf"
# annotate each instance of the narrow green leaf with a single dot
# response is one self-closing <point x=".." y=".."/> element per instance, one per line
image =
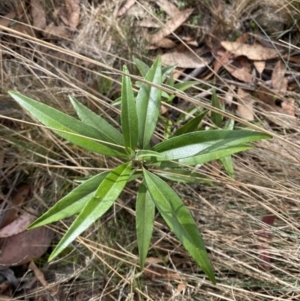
<point x="182" y="87"/>
<point x="116" y="102"/>
<point x="143" y="67"/>
<point x="228" y="165"/>
<point x="170" y="81"/>
<point x="72" y="203"/>
<point x="180" y="220"/>
<point x="227" y="161"/>
<point x="147" y="155"/>
<point x="190" y="126"/>
<point x="166" y="70"/>
<point x="128" y="113"/>
<point x="201" y="142"/>
<point x="66" y="126"/>
<point x="214" y="155"/>
<point x="229" y="124"/>
<point x="107" y="192"/>
<point x="145" y="211"/>
<point x="183" y="176"/>
<point x="216" y="117"/>
<point x="148" y="104"/>
<point x="106" y="131"/>
<point x="185" y="85"/>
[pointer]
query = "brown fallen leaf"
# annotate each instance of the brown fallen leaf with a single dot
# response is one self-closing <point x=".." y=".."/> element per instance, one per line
<point x="279" y="82"/>
<point x="288" y="106"/>
<point x="240" y="69"/>
<point x="38" y="14"/>
<point x="185" y="59"/>
<point x="181" y="286"/>
<point x="11" y="206"/>
<point x="189" y="40"/>
<point x="122" y="11"/>
<point x="255" y="52"/>
<point x="73" y="9"/>
<point x="19" y="225"/>
<point x="170" y="26"/>
<point x="168" y="7"/>
<point x="279" y="111"/>
<point x="178" y="72"/>
<point x="260" y="66"/>
<point x="267" y="98"/>
<point x="165" y="43"/>
<point x="245" y="105"/>
<point x="24" y="247"/>
<point x="148" y="22"/>
<point x="53" y="32"/>
<point x="221" y="59"/>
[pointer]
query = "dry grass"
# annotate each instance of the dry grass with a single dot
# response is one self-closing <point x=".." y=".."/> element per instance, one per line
<point x="102" y="264"/>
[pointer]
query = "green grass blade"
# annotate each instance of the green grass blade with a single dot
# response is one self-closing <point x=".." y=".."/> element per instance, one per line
<point x="106" y="131"/>
<point x="148" y="105"/>
<point x="227" y="161"/>
<point x="128" y="113"/>
<point x="107" y="192"/>
<point x="216" y="117"/>
<point x="180" y="220"/>
<point x="72" y="203"/>
<point x="145" y="211"/>
<point x="190" y="126"/>
<point x="228" y="165"/>
<point x="182" y="87"/>
<point x="196" y="143"/>
<point x="66" y="126"/>
<point x="167" y="70"/>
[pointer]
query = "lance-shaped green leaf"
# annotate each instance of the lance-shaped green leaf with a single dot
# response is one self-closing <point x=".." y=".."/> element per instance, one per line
<point x="216" y="117"/>
<point x="201" y="142"/>
<point x="180" y="220"/>
<point x="191" y="125"/>
<point x="66" y="126"/>
<point x="128" y="113"/>
<point x="213" y="155"/>
<point x="72" y="203"/>
<point x="148" y="104"/>
<point x="145" y="211"/>
<point x="106" y="131"/>
<point x="107" y="192"/>
<point x="143" y="67"/>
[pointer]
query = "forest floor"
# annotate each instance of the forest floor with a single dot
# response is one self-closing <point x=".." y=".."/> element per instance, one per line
<point x="248" y="52"/>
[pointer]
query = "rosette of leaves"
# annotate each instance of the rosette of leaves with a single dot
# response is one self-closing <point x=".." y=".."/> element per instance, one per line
<point x="168" y="159"/>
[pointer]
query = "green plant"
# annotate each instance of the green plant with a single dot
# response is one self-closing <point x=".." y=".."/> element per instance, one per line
<point x="169" y="159"/>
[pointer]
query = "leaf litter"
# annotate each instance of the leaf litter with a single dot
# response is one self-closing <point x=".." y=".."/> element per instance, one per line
<point x="263" y="175"/>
